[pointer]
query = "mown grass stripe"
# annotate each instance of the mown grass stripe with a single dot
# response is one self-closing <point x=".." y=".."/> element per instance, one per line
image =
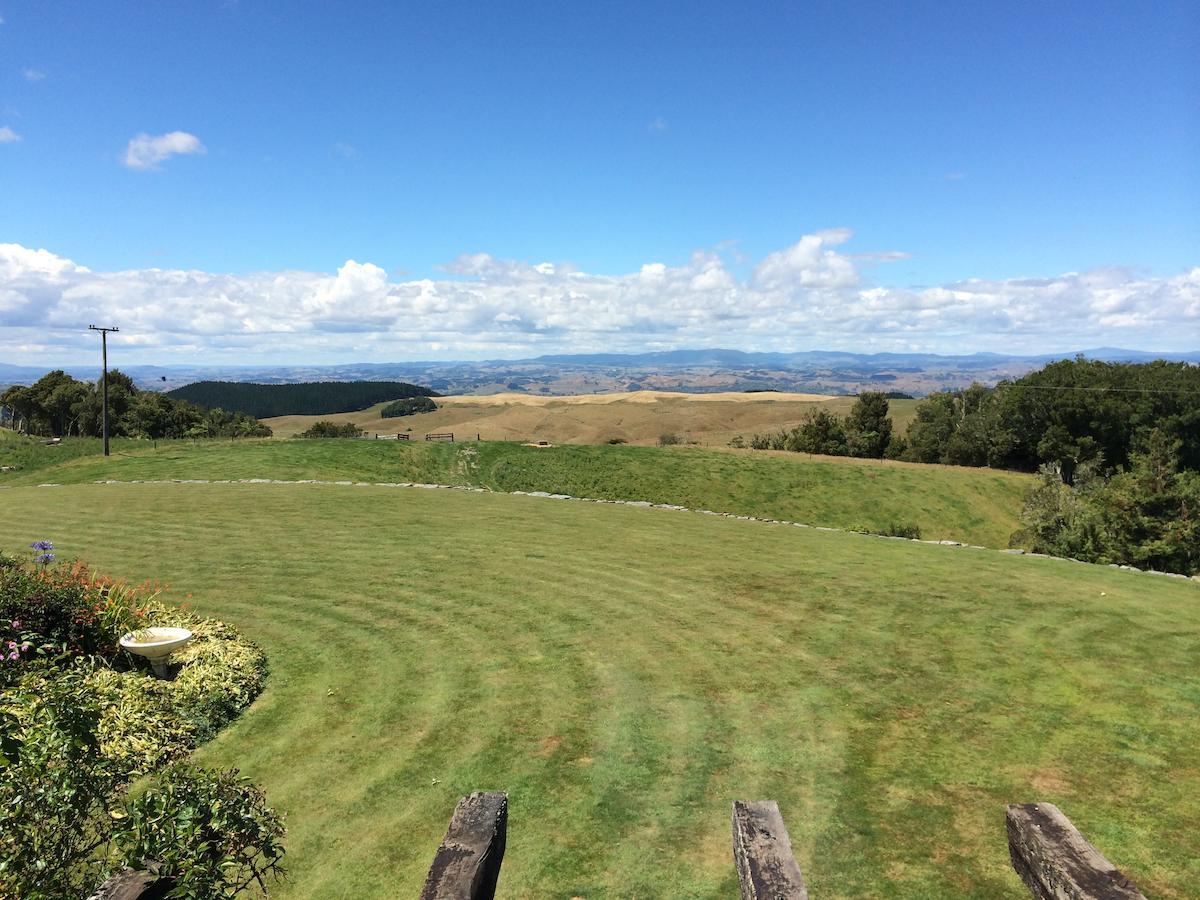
<point x="625" y="674"/>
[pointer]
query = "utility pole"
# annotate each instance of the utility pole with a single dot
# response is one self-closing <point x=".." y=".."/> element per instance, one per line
<point x="104" y="379"/>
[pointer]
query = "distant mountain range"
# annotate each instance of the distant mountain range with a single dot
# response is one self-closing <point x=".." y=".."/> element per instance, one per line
<point x="809" y="358"/>
<point x="702" y="370"/>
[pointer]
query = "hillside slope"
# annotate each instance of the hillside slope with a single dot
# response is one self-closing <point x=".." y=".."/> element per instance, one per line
<point x="638" y="417"/>
<point x="978" y="506"/>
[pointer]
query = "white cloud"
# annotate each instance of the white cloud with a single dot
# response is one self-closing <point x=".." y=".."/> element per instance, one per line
<point x="657" y="124"/>
<point x="809" y="263"/>
<point x="147" y="151"/>
<point x="805" y="296"/>
<point x="33" y="74"/>
<point x="8" y="136"/>
<point x="344" y="150"/>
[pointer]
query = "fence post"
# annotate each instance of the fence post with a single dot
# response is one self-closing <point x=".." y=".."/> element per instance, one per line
<point x="1056" y="862"/>
<point x="467" y="864"/>
<point x="762" y="852"/>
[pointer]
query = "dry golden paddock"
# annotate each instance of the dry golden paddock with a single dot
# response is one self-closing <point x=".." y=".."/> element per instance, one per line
<point x="638" y="417"/>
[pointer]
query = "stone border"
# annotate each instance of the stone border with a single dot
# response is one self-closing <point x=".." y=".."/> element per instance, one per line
<point x="641" y="504"/>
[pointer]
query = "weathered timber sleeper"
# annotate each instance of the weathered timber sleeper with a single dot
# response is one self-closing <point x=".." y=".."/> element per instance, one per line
<point x="467" y="864"/>
<point x="762" y="852"/>
<point x="1056" y="862"/>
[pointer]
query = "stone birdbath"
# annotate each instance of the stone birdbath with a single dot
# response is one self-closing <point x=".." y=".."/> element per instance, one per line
<point x="156" y="644"/>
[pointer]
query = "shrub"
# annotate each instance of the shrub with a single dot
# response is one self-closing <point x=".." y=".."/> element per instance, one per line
<point x="212" y="832"/>
<point x="669" y="440"/>
<point x="80" y="719"/>
<point x="408" y="407"/>
<point x="332" y="430"/>
<point x="69" y="609"/>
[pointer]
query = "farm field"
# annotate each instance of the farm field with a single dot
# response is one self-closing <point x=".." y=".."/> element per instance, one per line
<point x="638" y="417"/>
<point x="625" y="673"/>
<point x="977" y="506"/>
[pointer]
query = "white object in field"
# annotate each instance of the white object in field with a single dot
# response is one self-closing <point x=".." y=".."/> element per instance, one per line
<point x="163" y="641"/>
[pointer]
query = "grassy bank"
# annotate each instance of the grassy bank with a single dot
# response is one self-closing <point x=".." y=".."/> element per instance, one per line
<point x="624" y="674"/>
<point x="979" y="506"/>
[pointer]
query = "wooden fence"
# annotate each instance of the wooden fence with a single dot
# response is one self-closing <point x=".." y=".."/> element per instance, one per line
<point x="1053" y="859"/>
<point x="442" y="436"/>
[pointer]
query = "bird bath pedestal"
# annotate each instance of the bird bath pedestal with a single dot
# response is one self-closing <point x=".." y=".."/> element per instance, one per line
<point x="156" y="644"/>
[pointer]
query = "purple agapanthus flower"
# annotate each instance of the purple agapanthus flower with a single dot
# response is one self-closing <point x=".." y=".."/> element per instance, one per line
<point x="44" y="558"/>
<point x="43" y="546"/>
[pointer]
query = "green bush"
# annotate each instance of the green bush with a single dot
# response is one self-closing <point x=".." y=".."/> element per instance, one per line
<point x="408" y="407"/>
<point x="1147" y="517"/>
<point x="332" y="430"/>
<point x="211" y="832"/>
<point x="80" y="719"/>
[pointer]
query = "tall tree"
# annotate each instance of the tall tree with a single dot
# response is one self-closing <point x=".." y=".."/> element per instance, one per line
<point x="868" y="427"/>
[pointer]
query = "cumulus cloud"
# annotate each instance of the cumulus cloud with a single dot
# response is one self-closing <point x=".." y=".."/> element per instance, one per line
<point x="8" y="136"/>
<point x="147" y="151"/>
<point x="809" y="295"/>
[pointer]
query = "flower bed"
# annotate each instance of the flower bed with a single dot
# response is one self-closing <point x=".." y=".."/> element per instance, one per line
<point x="81" y="719"/>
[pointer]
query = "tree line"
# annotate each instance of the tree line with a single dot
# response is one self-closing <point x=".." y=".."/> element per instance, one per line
<point x="317" y="398"/>
<point x="1116" y="446"/>
<point x="57" y="405"/>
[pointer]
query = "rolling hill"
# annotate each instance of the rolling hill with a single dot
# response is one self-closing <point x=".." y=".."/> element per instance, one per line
<point x="637" y="417"/>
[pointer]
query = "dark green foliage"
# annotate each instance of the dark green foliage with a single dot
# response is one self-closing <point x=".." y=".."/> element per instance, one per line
<point x="408" y="407"/>
<point x="866" y="432"/>
<point x="820" y="432"/>
<point x="319" y="398"/>
<point x="57" y="405"/>
<point x="1148" y="516"/>
<point x="1070" y="413"/>
<point x="868" y="427"/>
<point x="332" y="430"/>
<point x="211" y="831"/>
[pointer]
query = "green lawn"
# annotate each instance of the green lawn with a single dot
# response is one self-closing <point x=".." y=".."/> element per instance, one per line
<point x="625" y="673"/>
<point x="977" y="506"/>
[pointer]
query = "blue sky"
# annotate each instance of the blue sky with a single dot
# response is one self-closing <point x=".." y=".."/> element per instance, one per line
<point x="971" y="142"/>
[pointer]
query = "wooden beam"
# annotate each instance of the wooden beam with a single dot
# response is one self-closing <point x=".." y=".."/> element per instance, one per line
<point x="1056" y="862"/>
<point x="131" y="884"/>
<point x="467" y="864"/>
<point x="762" y="852"/>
